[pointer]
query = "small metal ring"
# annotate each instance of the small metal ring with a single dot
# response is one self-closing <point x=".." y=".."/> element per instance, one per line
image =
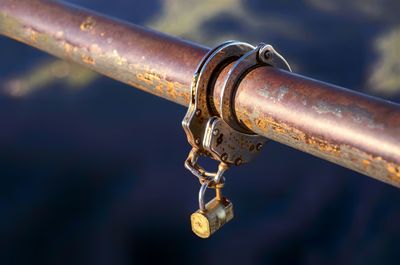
<point x="203" y="175"/>
<point x="222" y="167"/>
<point x="262" y="55"/>
<point x="198" y="170"/>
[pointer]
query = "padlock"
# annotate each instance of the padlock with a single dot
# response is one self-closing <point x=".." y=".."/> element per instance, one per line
<point x="211" y="217"/>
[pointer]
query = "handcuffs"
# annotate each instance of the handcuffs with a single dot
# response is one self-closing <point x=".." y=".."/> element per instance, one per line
<point x="218" y="134"/>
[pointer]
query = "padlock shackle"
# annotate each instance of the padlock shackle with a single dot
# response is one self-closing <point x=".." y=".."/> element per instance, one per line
<point x="202" y="192"/>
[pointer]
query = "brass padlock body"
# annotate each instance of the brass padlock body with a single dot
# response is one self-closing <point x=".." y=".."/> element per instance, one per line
<point x="218" y="212"/>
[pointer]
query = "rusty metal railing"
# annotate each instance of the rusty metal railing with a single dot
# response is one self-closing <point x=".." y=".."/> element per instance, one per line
<point x="350" y="129"/>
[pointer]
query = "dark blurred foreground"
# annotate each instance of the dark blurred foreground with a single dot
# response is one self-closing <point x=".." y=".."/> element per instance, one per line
<point x="94" y="174"/>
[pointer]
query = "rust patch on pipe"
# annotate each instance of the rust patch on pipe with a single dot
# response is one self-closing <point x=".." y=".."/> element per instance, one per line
<point x="303" y="114"/>
<point x="33" y="34"/>
<point x="88" y="24"/>
<point x="87" y="59"/>
<point x="341" y="154"/>
<point x="393" y="170"/>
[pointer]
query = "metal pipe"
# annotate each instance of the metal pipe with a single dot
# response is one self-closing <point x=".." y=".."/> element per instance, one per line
<point x="348" y="128"/>
<point x="143" y="58"/>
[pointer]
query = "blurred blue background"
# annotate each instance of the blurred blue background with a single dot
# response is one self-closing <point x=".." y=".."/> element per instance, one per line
<point x="91" y="170"/>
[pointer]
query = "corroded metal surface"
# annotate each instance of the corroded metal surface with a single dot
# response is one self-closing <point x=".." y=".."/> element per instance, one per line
<point x="350" y="129"/>
<point x="143" y="58"/>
